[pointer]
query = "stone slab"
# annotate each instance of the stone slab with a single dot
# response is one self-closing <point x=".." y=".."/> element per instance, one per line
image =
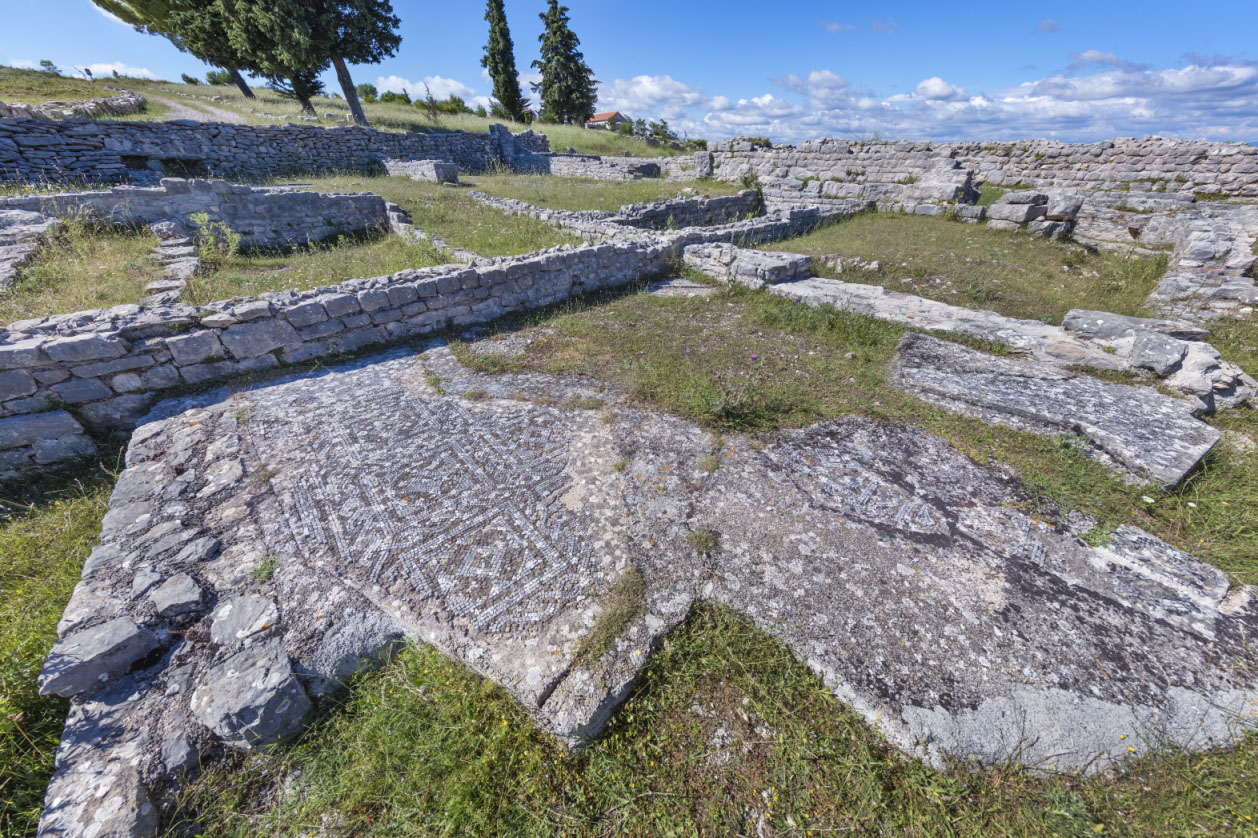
<point x="1138" y="431"/>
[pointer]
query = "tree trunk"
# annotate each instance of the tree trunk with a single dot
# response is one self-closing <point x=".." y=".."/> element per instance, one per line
<point x="240" y="82"/>
<point x="307" y="107"/>
<point x="347" y="87"/>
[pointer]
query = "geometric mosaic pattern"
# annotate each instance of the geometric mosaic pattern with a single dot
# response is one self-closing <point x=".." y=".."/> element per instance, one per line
<point x="459" y="506"/>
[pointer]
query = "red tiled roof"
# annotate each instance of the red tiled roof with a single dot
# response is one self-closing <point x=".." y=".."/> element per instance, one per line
<point x="603" y="117"/>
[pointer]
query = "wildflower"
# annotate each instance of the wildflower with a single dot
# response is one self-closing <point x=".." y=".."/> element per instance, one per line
<point x="1146" y="499"/>
<point x="755" y="357"/>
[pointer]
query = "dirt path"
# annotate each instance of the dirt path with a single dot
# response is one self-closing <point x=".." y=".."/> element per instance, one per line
<point x="201" y="113"/>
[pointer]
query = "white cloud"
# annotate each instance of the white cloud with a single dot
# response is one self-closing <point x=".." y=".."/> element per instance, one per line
<point x="441" y="87"/>
<point x="108" y="69"/>
<point x="1047" y="25"/>
<point x="649" y="97"/>
<point x="836" y="26"/>
<point x="888" y="26"/>
<point x="23" y="64"/>
<point x="1214" y="97"/>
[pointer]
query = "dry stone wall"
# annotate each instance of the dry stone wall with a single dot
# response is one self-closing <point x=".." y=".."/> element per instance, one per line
<point x="264" y="216"/>
<point x="1151" y="164"/>
<point x="124" y="103"/>
<point x="103" y="152"/>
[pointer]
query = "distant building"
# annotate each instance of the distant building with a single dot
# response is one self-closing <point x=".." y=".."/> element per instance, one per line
<point x="610" y="121"/>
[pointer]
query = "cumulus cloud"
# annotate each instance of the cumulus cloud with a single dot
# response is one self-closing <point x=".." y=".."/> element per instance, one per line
<point x="1079" y="60"/>
<point x="441" y="87"/>
<point x="23" y="64"/>
<point x="836" y="26"/>
<point x="649" y="97"/>
<point x="108" y="69"/>
<point x="1215" y="98"/>
<point x="1047" y="25"/>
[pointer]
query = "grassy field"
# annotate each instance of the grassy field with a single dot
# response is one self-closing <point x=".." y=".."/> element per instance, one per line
<point x="32" y="87"/>
<point x="973" y="266"/>
<point x="269" y="108"/>
<point x="580" y="194"/>
<point x="82" y="266"/>
<point x="450" y="213"/>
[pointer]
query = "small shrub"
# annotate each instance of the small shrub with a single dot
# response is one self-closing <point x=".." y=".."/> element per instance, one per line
<point x="187" y="79"/>
<point x="710" y="463"/>
<point x="620" y="465"/>
<point x="475" y="395"/>
<point x="264" y="571"/>
<point x="215" y="241"/>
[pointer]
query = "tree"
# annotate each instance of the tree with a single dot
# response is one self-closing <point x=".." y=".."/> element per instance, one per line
<point x="366" y="92"/>
<point x="393" y="97"/>
<point x="218" y="77"/>
<point x="187" y="79"/>
<point x="48" y="67"/>
<point x="302" y="85"/>
<point x="283" y="36"/>
<point x="194" y="27"/>
<point x="568" y="88"/>
<point x="499" y="60"/>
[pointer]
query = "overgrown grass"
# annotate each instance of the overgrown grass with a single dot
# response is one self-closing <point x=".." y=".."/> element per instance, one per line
<point x="32" y="87"/>
<point x="47" y="528"/>
<point x="82" y="266"/>
<point x="580" y="194"/>
<point x="621" y="605"/>
<point x="322" y="263"/>
<point x="973" y="266"/>
<point x="744" y="361"/>
<point x="725" y="734"/>
<point x="452" y="214"/>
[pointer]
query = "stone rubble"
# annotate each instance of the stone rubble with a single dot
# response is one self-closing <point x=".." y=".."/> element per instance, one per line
<point x="126" y="102"/>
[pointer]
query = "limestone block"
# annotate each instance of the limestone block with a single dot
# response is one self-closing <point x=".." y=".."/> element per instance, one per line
<point x="194" y="348"/>
<point x="16" y="431"/>
<point x="253" y="698"/>
<point x="83" y="660"/>
<point x="247" y="340"/>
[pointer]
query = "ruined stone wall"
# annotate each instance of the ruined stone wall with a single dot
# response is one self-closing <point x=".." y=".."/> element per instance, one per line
<point x="126" y="102"/>
<point x="690" y="212"/>
<point x="103" y="152"/>
<point x="264" y="216"/>
<point x="1151" y="164"/>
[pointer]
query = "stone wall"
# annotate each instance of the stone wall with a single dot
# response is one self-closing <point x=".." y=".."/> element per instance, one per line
<point x="1152" y="164"/>
<point x="264" y="216"/>
<point x="435" y="171"/>
<point x="126" y="102"/>
<point x="690" y="212"/>
<point x="142" y="152"/>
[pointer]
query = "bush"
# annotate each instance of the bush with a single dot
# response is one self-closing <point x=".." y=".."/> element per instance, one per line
<point x="187" y="79"/>
<point x="217" y="77"/>
<point x="48" y="67"/>
<point x="390" y="97"/>
<point x="367" y="92"/>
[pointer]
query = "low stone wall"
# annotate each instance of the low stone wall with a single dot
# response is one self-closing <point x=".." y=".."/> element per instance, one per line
<point x="435" y="171"/>
<point x="1151" y="164"/>
<point x="690" y="212"/>
<point x="124" y="103"/>
<point x="752" y="268"/>
<point x="588" y="166"/>
<point x="264" y="216"/>
<point x="112" y="151"/>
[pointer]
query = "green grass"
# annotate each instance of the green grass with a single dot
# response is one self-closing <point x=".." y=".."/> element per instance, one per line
<point x="725" y="734"/>
<point x="621" y="605"/>
<point x="970" y="265"/>
<point x="450" y="213"/>
<point x="324" y="263"/>
<point x="82" y="266"/>
<point x="47" y="528"/>
<point x="32" y="87"/>
<point x="580" y="194"/>
<point x="744" y="361"/>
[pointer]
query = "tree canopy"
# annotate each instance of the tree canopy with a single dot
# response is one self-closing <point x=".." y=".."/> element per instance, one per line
<point x="568" y="88"/>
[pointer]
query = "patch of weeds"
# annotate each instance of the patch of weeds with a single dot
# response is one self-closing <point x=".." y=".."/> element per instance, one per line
<point x="709" y="463"/>
<point x="434" y="382"/>
<point x="703" y="541"/>
<point x="621" y="605"/>
<point x="264" y="571"/>
<point x="242" y="414"/>
<point x="620" y="465"/>
<point x="214" y="240"/>
<point x="475" y="395"/>
<point x="584" y="403"/>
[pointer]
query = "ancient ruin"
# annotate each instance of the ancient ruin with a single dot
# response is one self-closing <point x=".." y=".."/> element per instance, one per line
<point x="267" y="541"/>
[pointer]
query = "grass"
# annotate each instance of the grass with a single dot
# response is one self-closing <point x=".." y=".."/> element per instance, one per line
<point x="451" y="214"/>
<point x="726" y="733"/>
<point x="621" y="605"/>
<point x="80" y="267"/>
<point x="750" y="361"/>
<point x="579" y="194"/>
<point x="970" y="265"/>
<point x="33" y="87"/>
<point x="47" y="528"/>
<point x="324" y="263"/>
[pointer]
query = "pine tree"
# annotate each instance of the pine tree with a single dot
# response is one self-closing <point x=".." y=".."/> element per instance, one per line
<point x="568" y="88"/>
<point x="302" y="85"/>
<point x="499" y="60"/>
<point x="208" y="40"/>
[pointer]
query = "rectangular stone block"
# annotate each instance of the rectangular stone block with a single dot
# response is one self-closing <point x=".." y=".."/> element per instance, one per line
<point x="80" y="348"/>
<point x="194" y="348"/>
<point x="16" y="431"/>
<point x="246" y="340"/>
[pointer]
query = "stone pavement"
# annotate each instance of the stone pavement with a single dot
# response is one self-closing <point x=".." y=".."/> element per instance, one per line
<point x="262" y="545"/>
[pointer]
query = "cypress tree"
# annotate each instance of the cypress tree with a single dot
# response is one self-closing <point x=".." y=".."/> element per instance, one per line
<point x="568" y="88"/>
<point x="499" y="60"/>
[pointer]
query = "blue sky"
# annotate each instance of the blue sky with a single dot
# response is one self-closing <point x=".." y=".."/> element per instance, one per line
<point x="794" y="70"/>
